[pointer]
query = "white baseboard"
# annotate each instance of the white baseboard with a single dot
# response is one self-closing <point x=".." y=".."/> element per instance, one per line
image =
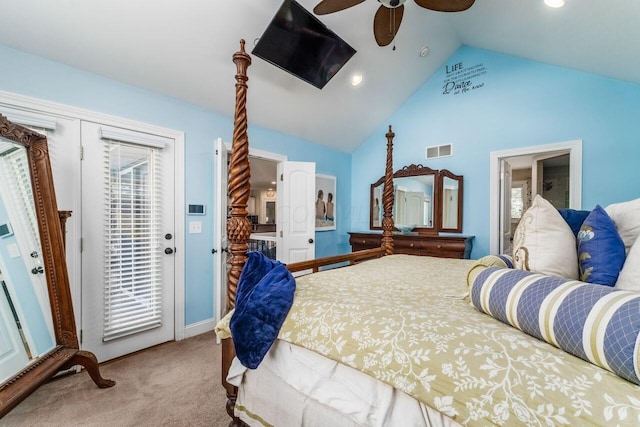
<point x="199" y="328"/>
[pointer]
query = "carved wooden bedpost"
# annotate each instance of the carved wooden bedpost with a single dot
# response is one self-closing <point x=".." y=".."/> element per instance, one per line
<point x="238" y="226"/>
<point x="387" y="198"/>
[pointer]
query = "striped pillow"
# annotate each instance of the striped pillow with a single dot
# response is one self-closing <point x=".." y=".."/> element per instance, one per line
<point x="504" y="261"/>
<point x="596" y="323"/>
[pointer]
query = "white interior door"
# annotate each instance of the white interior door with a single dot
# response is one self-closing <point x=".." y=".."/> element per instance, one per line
<point x="295" y="228"/>
<point x="505" y="207"/>
<point x="13" y="354"/>
<point x="537" y="170"/>
<point x="415" y="208"/>
<point x="220" y="230"/>
<point x="128" y="261"/>
<point x="400" y="212"/>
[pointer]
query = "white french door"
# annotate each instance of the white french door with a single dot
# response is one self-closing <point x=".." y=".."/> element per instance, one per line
<point x="13" y="354"/>
<point x="63" y="141"/>
<point x="128" y="227"/>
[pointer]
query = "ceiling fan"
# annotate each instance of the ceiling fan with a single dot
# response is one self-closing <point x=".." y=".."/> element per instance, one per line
<point x="389" y="15"/>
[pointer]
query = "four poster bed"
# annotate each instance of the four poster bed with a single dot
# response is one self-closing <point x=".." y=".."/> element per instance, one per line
<point x="392" y="340"/>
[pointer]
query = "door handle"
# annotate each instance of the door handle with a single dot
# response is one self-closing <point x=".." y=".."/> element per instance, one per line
<point x="37" y="270"/>
<point x="214" y="251"/>
<point x="168" y="251"/>
<point x="310" y="240"/>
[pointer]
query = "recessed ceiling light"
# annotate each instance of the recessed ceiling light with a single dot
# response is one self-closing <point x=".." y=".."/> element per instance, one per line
<point x="555" y="3"/>
<point x="423" y="52"/>
<point x="356" y="79"/>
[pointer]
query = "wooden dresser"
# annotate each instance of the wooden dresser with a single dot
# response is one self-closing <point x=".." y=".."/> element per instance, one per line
<point x="416" y="244"/>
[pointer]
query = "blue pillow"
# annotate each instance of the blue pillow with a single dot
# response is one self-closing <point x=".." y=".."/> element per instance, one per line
<point x="601" y="251"/>
<point x="574" y="218"/>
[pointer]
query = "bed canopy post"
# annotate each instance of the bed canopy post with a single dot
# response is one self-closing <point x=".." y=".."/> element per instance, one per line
<point x="238" y="226"/>
<point x="387" y="198"/>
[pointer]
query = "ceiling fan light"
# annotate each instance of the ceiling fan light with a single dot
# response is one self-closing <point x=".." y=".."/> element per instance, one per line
<point x="555" y="3"/>
<point x="391" y="4"/>
<point x="356" y="79"/>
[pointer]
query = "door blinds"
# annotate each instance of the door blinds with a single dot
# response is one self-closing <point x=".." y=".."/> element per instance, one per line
<point x="19" y="203"/>
<point x="132" y="268"/>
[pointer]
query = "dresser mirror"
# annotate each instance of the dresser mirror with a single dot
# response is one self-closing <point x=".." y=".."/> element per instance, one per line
<point x="451" y="202"/>
<point x="37" y="326"/>
<point x="426" y="200"/>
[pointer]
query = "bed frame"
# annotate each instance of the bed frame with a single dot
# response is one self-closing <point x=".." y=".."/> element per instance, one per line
<point x="239" y="226"/>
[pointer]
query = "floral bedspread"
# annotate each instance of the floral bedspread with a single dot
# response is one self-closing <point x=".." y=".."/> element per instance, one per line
<point x="406" y="321"/>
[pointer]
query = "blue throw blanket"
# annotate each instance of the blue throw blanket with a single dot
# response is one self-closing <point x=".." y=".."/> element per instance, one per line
<point x="265" y="295"/>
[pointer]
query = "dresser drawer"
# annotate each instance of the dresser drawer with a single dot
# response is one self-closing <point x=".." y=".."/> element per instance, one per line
<point x="367" y="241"/>
<point x="416" y="244"/>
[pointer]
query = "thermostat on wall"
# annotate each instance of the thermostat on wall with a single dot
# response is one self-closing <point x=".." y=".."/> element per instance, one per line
<point x="196" y="210"/>
<point x="6" y="230"/>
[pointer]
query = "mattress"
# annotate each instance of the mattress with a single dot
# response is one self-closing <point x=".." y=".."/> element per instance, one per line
<point x="294" y="386"/>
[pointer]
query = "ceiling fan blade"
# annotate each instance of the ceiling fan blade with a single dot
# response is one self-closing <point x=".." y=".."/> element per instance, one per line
<point x="446" y="5"/>
<point x="386" y="24"/>
<point x="330" y="6"/>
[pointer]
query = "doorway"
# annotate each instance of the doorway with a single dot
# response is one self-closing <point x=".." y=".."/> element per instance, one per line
<point x="263" y="190"/>
<point x="291" y="190"/>
<point x="553" y="170"/>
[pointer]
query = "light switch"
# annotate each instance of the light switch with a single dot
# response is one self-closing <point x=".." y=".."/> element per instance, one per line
<point x="195" y="227"/>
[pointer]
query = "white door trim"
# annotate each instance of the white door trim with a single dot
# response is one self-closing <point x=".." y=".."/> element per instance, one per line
<point x="220" y="231"/>
<point x="575" y="190"/>
<point x="254" y="152"/>
<point x="36" y="105"/>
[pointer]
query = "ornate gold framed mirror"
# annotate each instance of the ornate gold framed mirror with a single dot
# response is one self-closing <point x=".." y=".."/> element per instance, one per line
<point x="37" y="327"/>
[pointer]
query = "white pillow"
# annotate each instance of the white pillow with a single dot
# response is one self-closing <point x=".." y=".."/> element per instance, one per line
<point x="629" y="278"/>
<point x="626" y="217"/>
<point x="544" y="243"/>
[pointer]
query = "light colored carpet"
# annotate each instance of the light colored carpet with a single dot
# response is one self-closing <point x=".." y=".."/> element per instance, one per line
<point x="173" y="384"/>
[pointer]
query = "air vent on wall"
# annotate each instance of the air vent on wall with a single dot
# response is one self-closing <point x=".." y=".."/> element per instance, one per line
<point x="439" y="151"/>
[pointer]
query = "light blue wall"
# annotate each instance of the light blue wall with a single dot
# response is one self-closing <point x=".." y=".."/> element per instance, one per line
<point x="522" y="103"/>
<point x="37" y="77"/>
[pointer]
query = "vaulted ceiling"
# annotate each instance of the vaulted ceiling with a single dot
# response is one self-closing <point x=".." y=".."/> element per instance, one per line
<point x="183" y="49"/>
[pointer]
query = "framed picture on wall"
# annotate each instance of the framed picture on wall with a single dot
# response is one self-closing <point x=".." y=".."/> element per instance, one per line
<point x="325" y="202"/>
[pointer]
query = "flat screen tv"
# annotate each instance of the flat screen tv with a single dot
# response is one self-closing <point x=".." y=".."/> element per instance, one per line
<point x="300" y="44"/>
